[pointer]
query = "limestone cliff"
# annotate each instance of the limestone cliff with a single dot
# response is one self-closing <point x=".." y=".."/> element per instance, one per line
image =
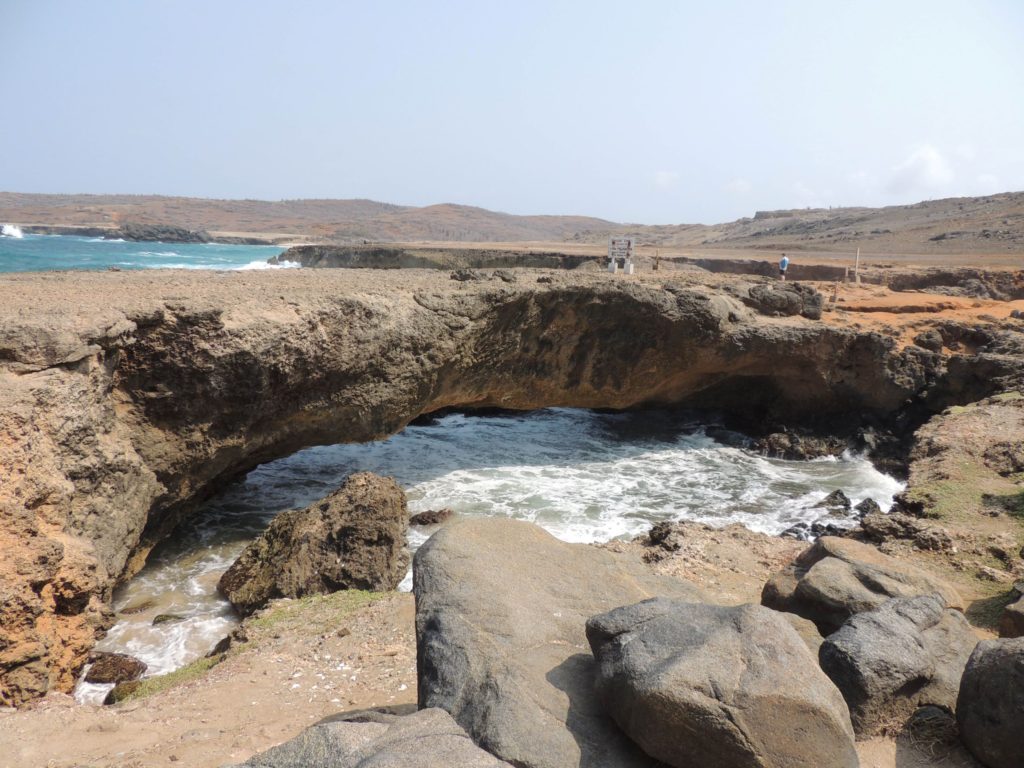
<point x="127" y="398"/>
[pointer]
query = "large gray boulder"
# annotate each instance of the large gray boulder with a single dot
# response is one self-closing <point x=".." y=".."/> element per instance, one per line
<point x="718" y="687"/>
<point x="501" y="609"/>
<point x="1011" y="622"/>
<point x="352" y="539"/>
<point x="909" y="653"/>
<point x="427" y="739"/>
<point x="836" y="578"/>
<point x="990" y="709"/>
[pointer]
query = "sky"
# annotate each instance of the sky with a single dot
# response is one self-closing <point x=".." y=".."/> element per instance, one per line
<point x="647" y="112"/>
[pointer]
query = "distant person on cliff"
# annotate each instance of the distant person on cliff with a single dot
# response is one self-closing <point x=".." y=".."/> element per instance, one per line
<point x="783" y="266"/>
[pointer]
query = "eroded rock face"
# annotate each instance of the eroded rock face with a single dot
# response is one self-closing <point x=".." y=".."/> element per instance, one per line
<point x="719" y="687"/>
<point x="906" y="654"/>
<point x="835" y="578"/>
<point x="501" y="609"/>
<point x="352" y="539"/>
<point x="990" y="708"/>
<point x="426" y="739"/>
<point x="162" y="233"/>
<point x="127" y="398"/>
<point x="785" y="299"/>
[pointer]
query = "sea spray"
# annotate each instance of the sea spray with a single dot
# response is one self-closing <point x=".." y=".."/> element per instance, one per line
<point x="582" y="475"/>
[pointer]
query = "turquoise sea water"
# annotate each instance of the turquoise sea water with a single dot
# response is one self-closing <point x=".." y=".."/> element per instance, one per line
<point x="36" y="253"/>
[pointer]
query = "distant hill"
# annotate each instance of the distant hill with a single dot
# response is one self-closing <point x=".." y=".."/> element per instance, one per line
<point x="326" y="220"/>
<point x="992" y="224"/>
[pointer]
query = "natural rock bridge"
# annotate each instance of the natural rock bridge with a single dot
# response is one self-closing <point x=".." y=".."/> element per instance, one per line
<point x="128" y="398"/>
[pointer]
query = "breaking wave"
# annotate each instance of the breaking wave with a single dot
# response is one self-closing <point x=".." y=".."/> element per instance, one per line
<point x="583" y="476"/>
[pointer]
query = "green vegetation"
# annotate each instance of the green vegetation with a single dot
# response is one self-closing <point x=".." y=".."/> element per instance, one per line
<point x="959" y="497"/>
<point x="150" y="685"/>
<point x="1008" y="397"/>
<point x="315" y="613"/>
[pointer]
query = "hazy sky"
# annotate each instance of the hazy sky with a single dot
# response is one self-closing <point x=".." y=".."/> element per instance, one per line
<point x="653" y="112"/>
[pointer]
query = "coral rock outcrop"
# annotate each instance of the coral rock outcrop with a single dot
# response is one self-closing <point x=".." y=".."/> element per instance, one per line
<point x="126" y="399"/>
<point x="352" y="539"/>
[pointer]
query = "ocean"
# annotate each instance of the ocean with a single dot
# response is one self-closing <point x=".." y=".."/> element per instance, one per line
<point x="583" y="476"/>
<point x="36" y="253"/>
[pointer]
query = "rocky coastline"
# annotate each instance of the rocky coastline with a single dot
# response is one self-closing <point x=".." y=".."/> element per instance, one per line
<point x="119" y="416"/>
<point x="156" y="233"/>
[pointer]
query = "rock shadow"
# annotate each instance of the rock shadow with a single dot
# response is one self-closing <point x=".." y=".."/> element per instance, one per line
<point x="932" y="745"/>
<point x="601" y="743"/>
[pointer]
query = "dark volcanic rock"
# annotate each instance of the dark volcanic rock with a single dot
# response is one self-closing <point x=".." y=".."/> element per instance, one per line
<point x="815" y="530"/>
<point x="785" y="299"/>
<point x="930" y="340"/>
<point x="114" y="668"/>
<point x="990" y="708"/>
<point x="888" y="662"/>
<point x="837" y="502"/>
<point x="836" y="578"/>
<point x="167" y="618"/>
<point x="867" y="507"/>
<point x="352" y="539"/>
<point x="160" y="233"/>
<point x="426" y="739"/>
<point x="718" y="687"/>
<point x="432" y="517"/>
<point x="501" y="608"/>
<point x="463" y="275"/>
<point x="881" y="527"/>
<point x="797" y="447"/>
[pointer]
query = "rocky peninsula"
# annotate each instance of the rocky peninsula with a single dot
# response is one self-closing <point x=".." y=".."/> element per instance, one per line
<point x="128" y="398"/>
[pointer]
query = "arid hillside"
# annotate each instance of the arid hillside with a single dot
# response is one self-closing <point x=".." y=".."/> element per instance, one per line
<point x="314" y="220"/>
<point x="961" y="226"/>
<point x="992" y="224"/>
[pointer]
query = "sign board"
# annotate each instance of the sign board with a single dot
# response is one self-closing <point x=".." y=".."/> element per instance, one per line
<point x="620" y="248"/>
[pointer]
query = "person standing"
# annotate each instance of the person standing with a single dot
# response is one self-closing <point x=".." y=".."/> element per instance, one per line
<point x="783" y="266"/>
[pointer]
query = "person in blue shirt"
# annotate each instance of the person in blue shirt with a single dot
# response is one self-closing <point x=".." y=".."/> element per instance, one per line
<point x="783" y="266"/>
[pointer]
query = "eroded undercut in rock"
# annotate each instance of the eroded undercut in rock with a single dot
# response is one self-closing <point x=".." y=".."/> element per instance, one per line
<point x="119" y="418"/>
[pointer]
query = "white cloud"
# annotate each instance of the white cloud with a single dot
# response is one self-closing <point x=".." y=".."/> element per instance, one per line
<point x="924" y="171"/>
<point x="666" y="179"/>
<point x="738" y="187"/>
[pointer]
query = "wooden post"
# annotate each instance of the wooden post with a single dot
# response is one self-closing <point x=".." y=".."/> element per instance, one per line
<point x="856" y="269"/>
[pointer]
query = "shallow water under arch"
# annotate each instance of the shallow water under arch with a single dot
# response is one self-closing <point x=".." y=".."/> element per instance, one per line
<point x="582" y="475"/>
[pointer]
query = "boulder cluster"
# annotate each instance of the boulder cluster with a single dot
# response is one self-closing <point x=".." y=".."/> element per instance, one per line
<point x="537" y="653"/>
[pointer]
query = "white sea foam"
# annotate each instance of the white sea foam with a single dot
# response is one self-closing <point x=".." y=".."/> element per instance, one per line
<point x="265" y="265"/>
<point x="583" y="476"/>
<point x="11" y="230"/>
